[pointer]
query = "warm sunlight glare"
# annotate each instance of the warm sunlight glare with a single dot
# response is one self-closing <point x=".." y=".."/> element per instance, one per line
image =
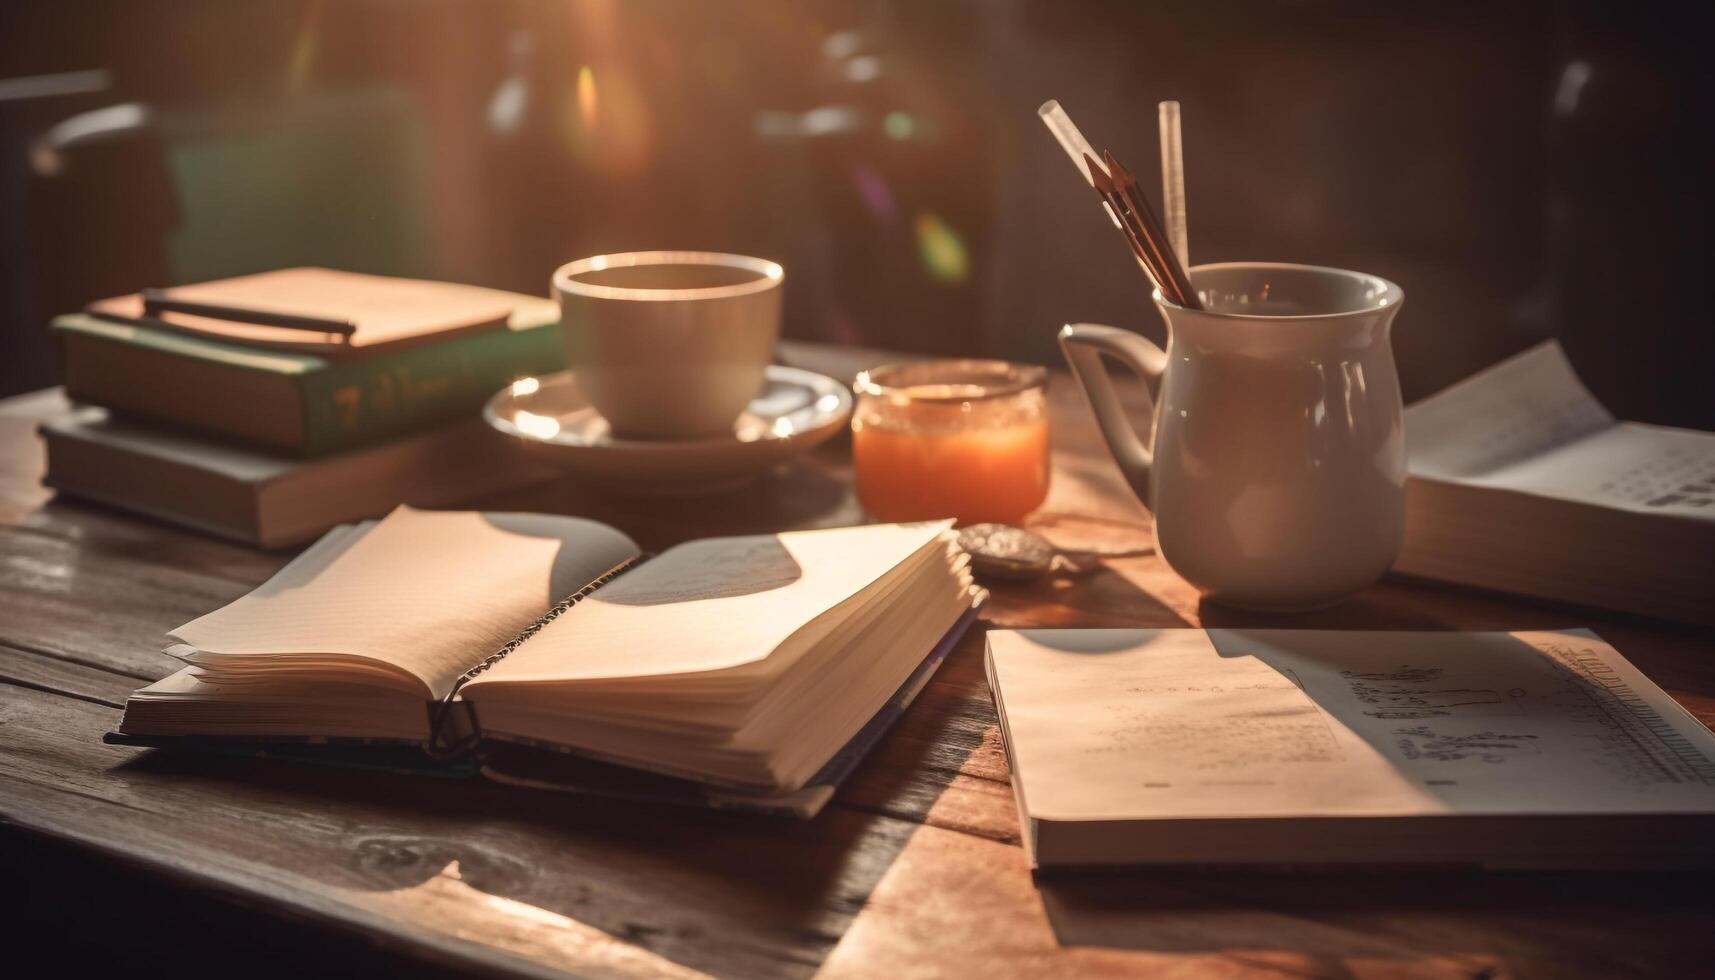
<point x="588" y="103"/>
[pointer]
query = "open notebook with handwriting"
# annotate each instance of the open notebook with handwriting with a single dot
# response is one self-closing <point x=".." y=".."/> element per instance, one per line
<point x="1311" y="748"/>
<point x="749" y="672"/>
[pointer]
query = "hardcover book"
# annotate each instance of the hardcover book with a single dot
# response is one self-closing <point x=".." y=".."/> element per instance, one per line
<point x="313" y="398"/>
<point x="271" y="501"/>
<point x="749" y="672"/>
<point x="370" y="313"/>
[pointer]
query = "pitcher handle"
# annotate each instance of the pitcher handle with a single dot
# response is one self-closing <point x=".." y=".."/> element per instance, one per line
<point x="1084" y="344"/>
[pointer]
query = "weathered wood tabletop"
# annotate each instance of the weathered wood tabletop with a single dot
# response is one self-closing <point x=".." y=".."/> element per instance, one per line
<point x="914" y="870"/>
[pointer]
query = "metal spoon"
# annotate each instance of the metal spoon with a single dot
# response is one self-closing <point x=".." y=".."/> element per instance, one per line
<point x="1004" y="552"/>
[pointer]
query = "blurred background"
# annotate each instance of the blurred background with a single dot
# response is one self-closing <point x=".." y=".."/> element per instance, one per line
<point x="1524" y="170"/>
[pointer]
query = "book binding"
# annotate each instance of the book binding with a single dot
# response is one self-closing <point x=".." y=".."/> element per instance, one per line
<point x="453" y="728"/>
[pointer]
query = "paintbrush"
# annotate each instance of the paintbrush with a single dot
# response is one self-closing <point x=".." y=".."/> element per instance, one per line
<point x="1115" y="206"/>
<point x="1125" y="206"/>
<point x="1153" y="236"/>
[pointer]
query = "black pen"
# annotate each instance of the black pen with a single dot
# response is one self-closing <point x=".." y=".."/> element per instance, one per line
<point x="156" y="302"/>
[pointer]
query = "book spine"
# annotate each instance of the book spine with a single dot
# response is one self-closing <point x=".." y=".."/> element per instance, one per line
<point x="354" y="403"/>
<point x="190" y="383"/>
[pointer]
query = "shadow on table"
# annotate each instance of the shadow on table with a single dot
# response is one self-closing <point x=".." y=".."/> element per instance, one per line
<point x="1379" y="914"/>
<point x="804" y="493"/>
<point x="727" y="893"/>
<point x="954" y="715"/>
<point x="733" y="894"/>
<point x="1375" y="608"/>
<point x="1101" y="598"/>
<point x="1666" y="652"/>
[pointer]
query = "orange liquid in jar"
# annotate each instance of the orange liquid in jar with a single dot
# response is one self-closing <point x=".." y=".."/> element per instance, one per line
<point x="978" y="473"/>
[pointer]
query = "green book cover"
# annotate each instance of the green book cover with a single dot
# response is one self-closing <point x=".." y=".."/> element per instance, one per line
<point x="299" y="403"/>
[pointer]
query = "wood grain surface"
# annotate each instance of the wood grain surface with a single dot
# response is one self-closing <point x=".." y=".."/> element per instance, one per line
<point x="914" y="871"/>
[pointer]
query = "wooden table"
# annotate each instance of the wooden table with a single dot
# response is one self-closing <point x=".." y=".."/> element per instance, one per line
<point x="914" y="870"/>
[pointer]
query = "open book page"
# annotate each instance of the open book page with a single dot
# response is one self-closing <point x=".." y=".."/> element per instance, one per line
<point x="1150" y="724"/>
<point x="1529" y="425"/>
<point x="427" y="593"/>
<point x="710" y="605"/>
<point x="1646" y="468"/>
<point x="1515" y="410"/>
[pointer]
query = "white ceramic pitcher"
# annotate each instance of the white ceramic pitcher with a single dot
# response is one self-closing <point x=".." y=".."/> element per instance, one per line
<point x="1274" y="461"/>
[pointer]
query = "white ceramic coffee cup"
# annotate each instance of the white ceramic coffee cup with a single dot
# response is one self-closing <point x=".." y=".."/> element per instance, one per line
<point x="669" y="345"/>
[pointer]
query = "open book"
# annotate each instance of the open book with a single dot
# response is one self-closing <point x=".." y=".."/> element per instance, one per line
<point x="1310" y="747"/>
<point x="744" y="663"/>
<point x="1522" y="482"/>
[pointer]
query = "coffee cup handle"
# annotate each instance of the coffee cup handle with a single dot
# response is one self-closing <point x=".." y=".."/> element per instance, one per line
<point x="1084" y="344"/>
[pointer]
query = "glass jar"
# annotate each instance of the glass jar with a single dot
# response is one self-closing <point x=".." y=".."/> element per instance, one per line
<point x="966" y="439"/>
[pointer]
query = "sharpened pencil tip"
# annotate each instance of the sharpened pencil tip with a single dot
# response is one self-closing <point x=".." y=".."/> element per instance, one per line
<point x="1098" y="177"/>
<point x="1121" y="175"/>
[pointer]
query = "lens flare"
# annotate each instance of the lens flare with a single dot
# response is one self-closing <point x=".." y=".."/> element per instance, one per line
<point x="537" y="426"/>
<point x="606" y="125"/>
<point x="506" y="108"/>
<point x="305" y="47"/>
<point x="588" y="103"/>
<point x="877" y="196"/>
<point x="941" y="249"/>
<point x="865" y="68"/>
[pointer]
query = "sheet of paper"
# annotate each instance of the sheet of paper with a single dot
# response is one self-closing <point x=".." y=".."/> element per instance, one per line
<point x="429" y="591"/>
<point x="712" y="605"/>
<point x="1123" y="724"/>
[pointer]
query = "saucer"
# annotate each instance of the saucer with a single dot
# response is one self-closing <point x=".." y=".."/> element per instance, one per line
<point x="550" y="418"/>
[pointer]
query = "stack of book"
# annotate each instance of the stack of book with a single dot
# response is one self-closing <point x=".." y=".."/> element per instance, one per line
<point x="269" y="408"/>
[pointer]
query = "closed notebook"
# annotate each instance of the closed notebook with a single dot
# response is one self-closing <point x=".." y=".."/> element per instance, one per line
<point x="383" y="311"/>
<point x="424" y="354"/>
<point x="749" y="671"/>
<point x="1539" y="749"/>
